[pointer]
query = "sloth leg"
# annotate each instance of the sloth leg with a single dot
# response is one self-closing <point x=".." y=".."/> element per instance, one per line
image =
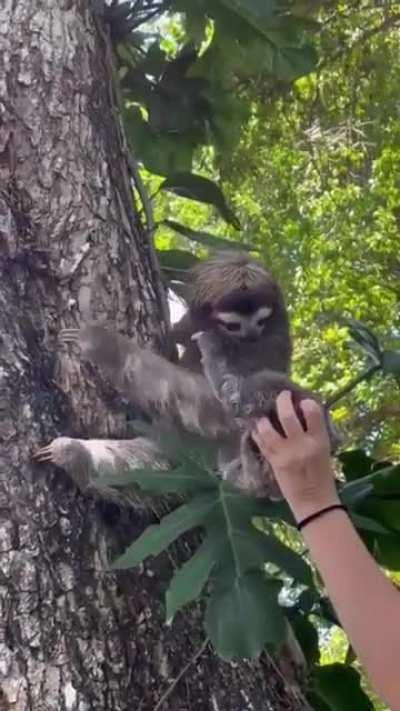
<point x="90" y="462"/>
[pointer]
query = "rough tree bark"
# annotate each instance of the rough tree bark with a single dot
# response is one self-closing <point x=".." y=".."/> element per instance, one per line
<point x="72" y="247"/>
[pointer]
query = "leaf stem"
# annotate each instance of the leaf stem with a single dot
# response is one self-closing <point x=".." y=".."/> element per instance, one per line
<point x="365" y="375"/>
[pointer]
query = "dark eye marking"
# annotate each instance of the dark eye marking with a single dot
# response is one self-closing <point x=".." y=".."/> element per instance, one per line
<point x="230" y="326"/>
<point x="263" y="322"/>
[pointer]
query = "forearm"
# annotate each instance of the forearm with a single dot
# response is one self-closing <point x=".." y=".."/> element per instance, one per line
<point x="367" y="603"/>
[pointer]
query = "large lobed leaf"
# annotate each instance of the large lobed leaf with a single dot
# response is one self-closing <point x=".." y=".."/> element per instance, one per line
<point x="188" y="582"/>
<point x="243" y="617"/>
<point x="158" y="537"/>
<point x="231" y="557"/>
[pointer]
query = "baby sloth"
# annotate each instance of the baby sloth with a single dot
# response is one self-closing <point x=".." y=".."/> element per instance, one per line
<point x="249" y="398"/>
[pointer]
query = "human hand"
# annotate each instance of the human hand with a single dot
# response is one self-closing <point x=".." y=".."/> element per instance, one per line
<point x="301" y="459"/>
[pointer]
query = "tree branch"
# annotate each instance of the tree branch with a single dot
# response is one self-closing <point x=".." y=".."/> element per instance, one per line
<point x="365" y="375"/>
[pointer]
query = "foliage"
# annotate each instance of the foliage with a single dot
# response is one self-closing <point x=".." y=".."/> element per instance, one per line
<point x="293" y="108"/>
<point x="176" y="101"/>
<point x="314" y="177"/>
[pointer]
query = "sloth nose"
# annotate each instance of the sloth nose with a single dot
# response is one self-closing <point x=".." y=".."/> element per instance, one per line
<point x="251" y="335"/>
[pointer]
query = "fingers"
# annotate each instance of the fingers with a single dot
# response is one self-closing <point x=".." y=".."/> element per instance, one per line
<point x="265" y="435"/>
<point x="313" y="416"/>
<point x="288" y="418"/>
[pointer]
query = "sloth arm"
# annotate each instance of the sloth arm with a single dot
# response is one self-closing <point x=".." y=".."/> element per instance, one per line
<point x="159" y="388"/>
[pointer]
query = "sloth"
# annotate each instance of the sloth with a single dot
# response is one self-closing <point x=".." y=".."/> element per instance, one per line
<point x="236" y="360"/>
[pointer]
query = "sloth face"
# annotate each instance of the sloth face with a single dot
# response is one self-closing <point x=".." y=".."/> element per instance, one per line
<point x="244" y="327"/>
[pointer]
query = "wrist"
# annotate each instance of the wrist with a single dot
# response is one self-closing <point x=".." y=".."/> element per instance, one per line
<point x="319" y="514"/>
<point x="302" y="508"/>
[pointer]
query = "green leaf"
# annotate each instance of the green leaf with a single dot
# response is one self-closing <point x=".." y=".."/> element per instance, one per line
<point x="190" y="579"/>
<point x="382" y="482"/>
<point x="190" y="450"/>
<point x="326" y="610"/>
<point x="253" y="548"/>
<point x="340" y="688"/>
<point x="257" y="12"/>
<point x="154" y="61"/>
<point x="205" y="238"/>
<point x="245" y="616"/>
<point x="386" y="511"/>
<point x="158" y="537"/>
<point x="368" y="524"/>
<point x="356" y="491"/>
<point x="290" y="63"/>
<point x="307" y="600"/>
<point x="317" y="704"/>
<point x="233" y="553"/>
<point x="195" y="187"/>
<point x="176" y="259"/>
<point x="387" y="481"/>
<point x="365" y="338"/>
<point x="179" y="480"/>
<point x="195" y="21"/>
<point x="160" y="153"/>
<point x="307" y="636"/>
<point x="238" y="507"/>
<point x="386" y="550"/>
<point x="181" y="448"/>
<point x="391" y="362"/>
<point x="355" y="464"/>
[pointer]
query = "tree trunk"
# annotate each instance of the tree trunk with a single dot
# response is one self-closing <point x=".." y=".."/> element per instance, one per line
<point x="72" y="248"/>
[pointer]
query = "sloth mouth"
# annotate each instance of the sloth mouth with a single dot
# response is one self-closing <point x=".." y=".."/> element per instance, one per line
<point x="245" y="339"/>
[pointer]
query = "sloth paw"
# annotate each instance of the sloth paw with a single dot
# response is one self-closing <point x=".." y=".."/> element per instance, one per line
<point x="55" y="452"/>
<point x="210" y="343"/>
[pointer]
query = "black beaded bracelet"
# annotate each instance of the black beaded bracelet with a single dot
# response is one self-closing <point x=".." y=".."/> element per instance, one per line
<point x="317" y="514"/>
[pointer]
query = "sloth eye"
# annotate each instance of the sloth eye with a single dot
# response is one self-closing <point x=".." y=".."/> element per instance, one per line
<point x="262" y="322"/>
<point x="232" y="326"/>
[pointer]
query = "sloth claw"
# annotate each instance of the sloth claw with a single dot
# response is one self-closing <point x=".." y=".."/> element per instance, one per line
<point x="69" y="335"/>
<point x="197" y="336"/>
<point x="44" y="454"/>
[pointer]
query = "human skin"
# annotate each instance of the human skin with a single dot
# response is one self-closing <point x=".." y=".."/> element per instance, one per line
<point x="366" y="602"/>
